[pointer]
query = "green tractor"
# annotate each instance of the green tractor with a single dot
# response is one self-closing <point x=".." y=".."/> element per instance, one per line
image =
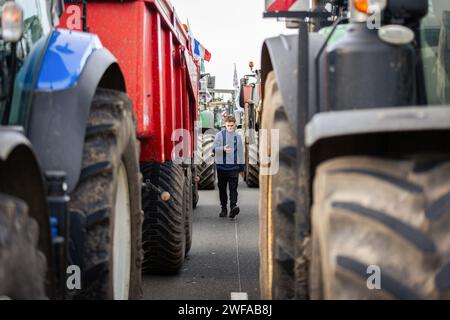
<point x="70" y="200"/>
<point x="355" y="152"/>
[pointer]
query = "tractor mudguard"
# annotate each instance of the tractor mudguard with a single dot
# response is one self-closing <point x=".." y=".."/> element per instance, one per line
<point x="10" y="139"/>
<point x="281" y="54"/>
<point x="20" y="176"/>
<point x="74" y="65"/>
<point x="371" y="121"/>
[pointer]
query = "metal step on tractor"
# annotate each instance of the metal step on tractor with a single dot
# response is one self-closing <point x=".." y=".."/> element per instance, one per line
<point x="162" y="79"/>
<point x="355" y="151"/>
<point x="70" y="198"/>
<point x="250" y="101"/>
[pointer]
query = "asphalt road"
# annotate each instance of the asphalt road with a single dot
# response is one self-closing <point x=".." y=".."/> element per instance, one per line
<point x="224" y="258"/>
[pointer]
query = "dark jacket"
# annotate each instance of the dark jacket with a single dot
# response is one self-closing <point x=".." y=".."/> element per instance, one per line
<point x="233" y="161"/>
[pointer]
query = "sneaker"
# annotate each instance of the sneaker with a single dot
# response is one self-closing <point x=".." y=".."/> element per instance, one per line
<point x="223" y="213"/>
<point x="234" y="212"/>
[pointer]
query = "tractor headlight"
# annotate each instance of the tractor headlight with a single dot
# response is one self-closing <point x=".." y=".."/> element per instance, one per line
<point x="12" y="21"/>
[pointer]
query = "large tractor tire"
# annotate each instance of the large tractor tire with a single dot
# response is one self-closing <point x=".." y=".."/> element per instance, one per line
<point x="195" y="195"/>
<point x="385" y="218"/>
<point x="188" y="209"/>
<point x="277" y="205"/>
<point x="164" y="230"/>
<point x="22" y="265"/>
<point x="107" y="202"/>
<point x="206" y="169"/>
<point x="252" y="172"/>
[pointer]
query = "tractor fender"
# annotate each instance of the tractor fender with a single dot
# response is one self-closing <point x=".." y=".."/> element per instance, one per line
<point x="74" y="66"/>
<point x="20" y="176"/>
<point x="378" y="132"/>
<point x="281" y="54"/>
<point x="329" y="125"/>
<point x="11" y="138"/>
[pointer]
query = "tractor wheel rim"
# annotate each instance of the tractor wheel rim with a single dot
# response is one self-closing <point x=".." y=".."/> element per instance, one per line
<point x="122" y="238"/>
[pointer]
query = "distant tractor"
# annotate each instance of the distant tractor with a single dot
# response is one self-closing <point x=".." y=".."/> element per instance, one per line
<point x="359" y="112"/>
<point x="162" y="79"/>
<point x="249" y="100"/>
<point x="70" y="198"/>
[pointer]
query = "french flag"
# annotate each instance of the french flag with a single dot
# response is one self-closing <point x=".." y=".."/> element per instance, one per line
<point x="200" y="51"/>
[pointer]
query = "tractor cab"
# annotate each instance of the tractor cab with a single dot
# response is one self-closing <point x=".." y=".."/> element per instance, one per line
<point x="24" y="24"/>
<point x="250" y="97"/>
<point x="249" y="90"/>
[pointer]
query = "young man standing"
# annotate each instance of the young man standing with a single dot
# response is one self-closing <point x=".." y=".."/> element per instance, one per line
<point x="229" y="154"/>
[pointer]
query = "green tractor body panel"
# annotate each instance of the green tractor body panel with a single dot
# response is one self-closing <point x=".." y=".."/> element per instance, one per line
<point x="336" y="36"/>
<point x="206" y="119"/>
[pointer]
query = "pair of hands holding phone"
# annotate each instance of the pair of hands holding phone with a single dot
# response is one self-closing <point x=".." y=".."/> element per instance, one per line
<point x="227" y="149"/>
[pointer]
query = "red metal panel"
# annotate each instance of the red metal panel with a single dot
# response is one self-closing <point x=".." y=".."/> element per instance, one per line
<point x="169" y="103"/>
<point x="153" y="145"/>
<point x="71" y="18"/>
<point x="186" y="122"/>
<point x="179" y="88"/>
<point x="190" y="125"/>
<point x="193" y="72"/>
<point x="148" y="40"/>
<point x="185" y="97"/>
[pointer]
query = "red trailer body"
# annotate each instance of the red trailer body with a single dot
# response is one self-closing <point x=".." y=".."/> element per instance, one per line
<point x="153" y="51"/>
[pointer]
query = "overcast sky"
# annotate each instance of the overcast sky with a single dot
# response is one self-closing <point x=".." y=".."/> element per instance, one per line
<point x="232" y="30"/>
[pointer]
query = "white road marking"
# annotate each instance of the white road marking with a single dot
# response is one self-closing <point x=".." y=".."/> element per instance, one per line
<point x="237" y="254"/>
<point x="239" y="296"/>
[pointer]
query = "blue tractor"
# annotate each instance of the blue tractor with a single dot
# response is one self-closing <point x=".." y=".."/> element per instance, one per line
<point x="70" y="203"/>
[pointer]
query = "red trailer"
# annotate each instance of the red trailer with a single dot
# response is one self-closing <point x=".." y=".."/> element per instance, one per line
<point x="161" y="78"/>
